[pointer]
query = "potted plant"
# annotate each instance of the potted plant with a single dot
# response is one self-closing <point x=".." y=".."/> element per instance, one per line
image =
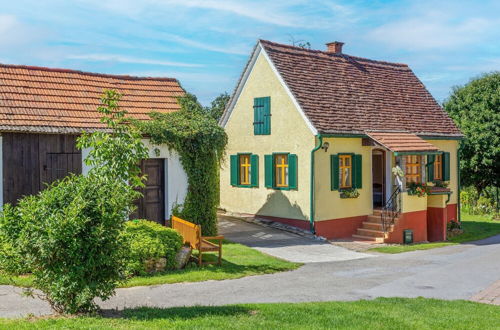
<point x="417" y="189"/>
<point x="349" y="193"/>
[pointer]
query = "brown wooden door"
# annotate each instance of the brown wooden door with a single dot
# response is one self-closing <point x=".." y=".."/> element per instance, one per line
<point x="32" y="160"/>
<point x="152" y="205"/>
<point x="59" y="165"/>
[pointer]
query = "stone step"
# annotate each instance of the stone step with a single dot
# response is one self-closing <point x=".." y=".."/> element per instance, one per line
<point x="372" y="225"/>
<point x="370" y="232"/>
<point x="368" y="238"/>
<point x="377" y="212"/>
<point x="374" y="218"/>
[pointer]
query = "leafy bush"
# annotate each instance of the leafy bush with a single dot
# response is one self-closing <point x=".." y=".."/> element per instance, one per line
<point x="70" y="240"/>
<point x="473" y="203"/>
<point x="148" y="240"/>
<point x="11" y="228"/>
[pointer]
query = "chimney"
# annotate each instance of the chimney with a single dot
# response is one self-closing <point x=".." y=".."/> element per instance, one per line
<point x="334" y="47"/>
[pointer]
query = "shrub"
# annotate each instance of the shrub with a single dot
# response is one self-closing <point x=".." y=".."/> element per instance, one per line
<point x="11" y="228"/>
<point x="71" y="240"/>
<point x="147" y="241"/>
<point x="474" y="203"/>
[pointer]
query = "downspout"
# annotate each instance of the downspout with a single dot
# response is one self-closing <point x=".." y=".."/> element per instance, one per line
<point x="311" y="217"/>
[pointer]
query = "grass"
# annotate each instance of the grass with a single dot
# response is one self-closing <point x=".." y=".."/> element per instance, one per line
<point x="381" y="313"/>
<point x="475" y="227"/>
<point x="238" y="261"/>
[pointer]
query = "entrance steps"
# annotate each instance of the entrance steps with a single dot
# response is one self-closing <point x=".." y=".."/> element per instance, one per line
<point x="372" y="229"/>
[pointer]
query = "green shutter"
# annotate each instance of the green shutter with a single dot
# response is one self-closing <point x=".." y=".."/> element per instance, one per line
<point x="257" y="126"/>
<point x="358" y="171"/>
<point x="334" y="172"/>
<point x="262" y="115"/>
<point x="292" y="171"/>
<point x="254" y="170"/>
<point x="266" y="115"/>
<point x="446" y="166"/>
<point x="430" y="167"/>
<point x="268" y="171"/>
<point x="234" y="170"/>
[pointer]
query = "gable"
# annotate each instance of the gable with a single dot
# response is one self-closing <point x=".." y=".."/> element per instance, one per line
<point x="261" y="82"/>
<point x="259" y="54"/>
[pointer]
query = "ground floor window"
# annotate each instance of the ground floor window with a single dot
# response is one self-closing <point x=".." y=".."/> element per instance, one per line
<point x="438" y="167"/>
<point x="345" y="167"/>
<point x="281" y="170"/>
<point x="245" y="169"/>
<point x="413" y="169"/>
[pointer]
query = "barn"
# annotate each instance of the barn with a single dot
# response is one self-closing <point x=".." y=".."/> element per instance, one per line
<point x="42" y="112"/>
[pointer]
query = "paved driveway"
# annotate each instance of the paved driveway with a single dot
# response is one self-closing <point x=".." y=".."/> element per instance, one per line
<point x="452" y="272"/>
<point x="282" y="244"/>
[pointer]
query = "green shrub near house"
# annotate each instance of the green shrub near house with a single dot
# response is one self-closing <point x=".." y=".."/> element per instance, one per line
<point x="148" y="242"/>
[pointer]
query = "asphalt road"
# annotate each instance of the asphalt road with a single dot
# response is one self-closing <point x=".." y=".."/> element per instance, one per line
<point x="452" y="272"/>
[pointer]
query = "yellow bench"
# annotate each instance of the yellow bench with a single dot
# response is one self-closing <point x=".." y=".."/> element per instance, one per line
<point x="191" y="234"/>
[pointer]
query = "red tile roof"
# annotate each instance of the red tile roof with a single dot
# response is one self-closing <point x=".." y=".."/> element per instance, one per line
<point x="37" y="99"/>
<point x="401" y="142"/>
<point x="340" y="93"/>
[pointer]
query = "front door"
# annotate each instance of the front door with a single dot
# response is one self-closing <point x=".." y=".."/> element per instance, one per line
<point x="152" y="205"/>
<point x="378" y="175"/>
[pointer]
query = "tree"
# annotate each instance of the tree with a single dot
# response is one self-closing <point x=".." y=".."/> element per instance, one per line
<point x="475" y="108"/>
<point x="218" y="106"/>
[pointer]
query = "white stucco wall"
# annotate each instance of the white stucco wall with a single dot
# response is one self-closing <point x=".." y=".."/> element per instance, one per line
<point x="175" y="177"/>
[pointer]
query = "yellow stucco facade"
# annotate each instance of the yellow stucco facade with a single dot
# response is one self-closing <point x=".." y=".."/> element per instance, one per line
<point x="328" y="203"/>
<point x="289" y="133"/>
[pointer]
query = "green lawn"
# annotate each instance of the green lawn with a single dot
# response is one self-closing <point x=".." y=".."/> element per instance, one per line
<point x="382" y="313"/>
<point x="238" y="261"/>
<point x="475" y="227"/>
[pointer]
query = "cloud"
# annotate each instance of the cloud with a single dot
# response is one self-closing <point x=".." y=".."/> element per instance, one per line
<point x="14" y="33"/>
<point x="132" y="60"/>
<point x="433" y="30"/>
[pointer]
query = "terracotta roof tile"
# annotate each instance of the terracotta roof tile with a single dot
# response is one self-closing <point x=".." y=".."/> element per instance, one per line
<point x="340" y="93"/>
<point x="37" y="99"/>
<point x="401" y="142"/>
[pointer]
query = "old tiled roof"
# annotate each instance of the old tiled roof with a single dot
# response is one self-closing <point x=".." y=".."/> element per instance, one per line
<point x="340" y="93"/>
<point x="36" y="99"/>
<point x="401" y="142"/>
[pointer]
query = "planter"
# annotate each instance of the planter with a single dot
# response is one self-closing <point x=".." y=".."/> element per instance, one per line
<point x="349" y="193"/>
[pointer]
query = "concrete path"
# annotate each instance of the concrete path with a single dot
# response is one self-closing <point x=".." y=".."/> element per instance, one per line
<point x="452" y="272"/>
<point x="282" y="244"/>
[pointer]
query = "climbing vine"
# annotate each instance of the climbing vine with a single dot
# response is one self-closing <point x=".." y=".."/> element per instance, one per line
<point x="200" y="143"/>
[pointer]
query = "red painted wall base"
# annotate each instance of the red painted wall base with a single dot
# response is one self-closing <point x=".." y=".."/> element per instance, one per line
<point x="416" y="221"/>
<point x="339" y="228"/>
<point x="335" y="228"/>
<point x="302" y="224"/>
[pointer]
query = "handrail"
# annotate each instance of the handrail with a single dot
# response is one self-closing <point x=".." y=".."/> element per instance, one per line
<point x="391" y="210"/>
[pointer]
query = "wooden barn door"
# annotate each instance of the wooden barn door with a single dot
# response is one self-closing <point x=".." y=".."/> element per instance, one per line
<point x="152" y="205"/>
<point x="30" y="161"/>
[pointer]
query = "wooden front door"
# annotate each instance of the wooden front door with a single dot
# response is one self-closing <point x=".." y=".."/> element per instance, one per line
<point x="152" y="205"/>
<point x="378" y="177"/>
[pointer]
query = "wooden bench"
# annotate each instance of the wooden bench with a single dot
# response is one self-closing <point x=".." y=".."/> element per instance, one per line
<point x="191" y="234"/>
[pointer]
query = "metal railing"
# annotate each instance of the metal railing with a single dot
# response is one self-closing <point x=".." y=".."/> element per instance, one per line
<point x="392" y="210"/>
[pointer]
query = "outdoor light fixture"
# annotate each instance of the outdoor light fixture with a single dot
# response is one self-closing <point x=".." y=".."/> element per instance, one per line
<point x="325" y="146"/>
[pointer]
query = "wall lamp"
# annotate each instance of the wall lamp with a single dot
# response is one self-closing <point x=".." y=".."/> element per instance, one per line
<point x="325" y="146"/>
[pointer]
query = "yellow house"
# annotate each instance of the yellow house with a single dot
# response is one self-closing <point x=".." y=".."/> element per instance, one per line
<point x="339" y="145"/>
